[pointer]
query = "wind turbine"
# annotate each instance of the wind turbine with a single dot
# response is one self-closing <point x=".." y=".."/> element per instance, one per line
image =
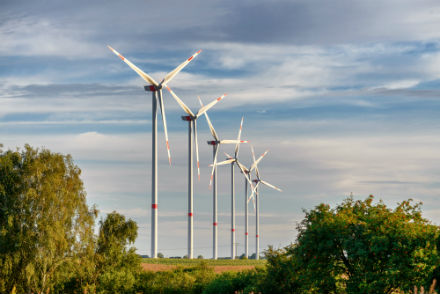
<point x="213" y="182"/>
<point x="232" y="161"/>
<point x="247" y="179"/>
<point x="156" y="89"/>
<point x="191" y="118"/>
<point x="257" y="182"/>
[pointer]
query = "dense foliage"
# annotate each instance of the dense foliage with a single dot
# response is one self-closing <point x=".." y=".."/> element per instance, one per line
<point x="190" y="280"/>
<point x="199" y="279"/>
<point x="358" y="247"/>
<point x="116" y="267"/>
<point x="245" y="282"/>
<point x="45" y="223"/>
<point x="47" y="243"/>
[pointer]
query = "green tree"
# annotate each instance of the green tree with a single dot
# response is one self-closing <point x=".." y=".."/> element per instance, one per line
<point x="45" y="223"/>
<point x="364" y="247"/>
<point x="116" y="265"/>
<point x="282" y="272"/>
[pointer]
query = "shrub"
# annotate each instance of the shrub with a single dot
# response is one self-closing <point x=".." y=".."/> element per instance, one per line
<point x="233" y="282"/>
<point x="181" y="280"/>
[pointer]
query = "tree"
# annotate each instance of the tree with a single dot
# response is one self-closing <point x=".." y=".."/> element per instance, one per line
<point x="160" y="255"/>
<point x="45" y="223"/>
<point x="282" y="272"/>
<point x="365" y="248"/>
<point x="116" y="266"/>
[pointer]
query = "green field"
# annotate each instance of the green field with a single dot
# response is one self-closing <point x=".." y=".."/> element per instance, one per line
<point x="212" y="262"/>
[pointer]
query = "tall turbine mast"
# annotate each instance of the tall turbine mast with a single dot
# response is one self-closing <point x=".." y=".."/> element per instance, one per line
<point x="213" y="182"/>
<point x="247" y="179"/>
<point x="156" y="89"/>
<point x="191" y="118"/>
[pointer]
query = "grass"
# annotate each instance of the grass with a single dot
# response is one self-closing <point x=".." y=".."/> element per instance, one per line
<point x="211" y="262"/>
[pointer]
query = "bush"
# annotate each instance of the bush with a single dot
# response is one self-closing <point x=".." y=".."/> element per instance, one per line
<point x="182" y="280"/>
<point x="232" y="282"/>
<point x="117" y="281"/>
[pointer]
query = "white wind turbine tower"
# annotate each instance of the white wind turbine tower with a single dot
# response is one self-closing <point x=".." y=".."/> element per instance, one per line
<point x="156" y="89"/>
<point x="246" y="173"/>
<point x="191" y="118"/>
<point x="257" y="182"/>
<point x="232" y="161"/>
<point x="213" y="181"/>
<point x="247" y="179"/>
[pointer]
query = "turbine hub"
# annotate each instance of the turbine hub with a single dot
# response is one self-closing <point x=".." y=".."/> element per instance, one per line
<point x="213" y="143"/>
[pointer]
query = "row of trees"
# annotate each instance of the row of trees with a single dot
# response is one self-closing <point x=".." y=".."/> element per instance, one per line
<point x="47" y="240"/>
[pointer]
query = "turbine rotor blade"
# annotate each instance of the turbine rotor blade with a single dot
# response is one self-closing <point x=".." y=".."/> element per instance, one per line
<point x="253" y="154"/>
<point x="241" y="165"/>
<point x="254" y="191"/>
<point x="228" y="156"/>
<point x="135" y="68"/>
<point x="211" y="127"/>
<point x="227" y="161"/>
<point x="270" y="185"/>
<point x="203" y="109"/>
<point x="232" y="141"/>
<point x="244" y="171"/>
<point x="254" y="165"/>
<point x="214" y="165"/>
<point x="174" y="72"/>
<point x="164" y="120"/>
<point x="180" y="102"/>
<point x="237" y="146"/>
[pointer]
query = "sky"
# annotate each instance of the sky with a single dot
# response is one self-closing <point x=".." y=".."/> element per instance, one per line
<point x="343" y="94"/>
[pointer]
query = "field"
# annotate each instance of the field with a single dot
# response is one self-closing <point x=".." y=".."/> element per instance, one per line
<point x="220" y="265"/>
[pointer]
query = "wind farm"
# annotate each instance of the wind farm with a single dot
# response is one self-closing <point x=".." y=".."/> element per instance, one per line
<point x="191" y="118"/>
<point x="125" y="167"/>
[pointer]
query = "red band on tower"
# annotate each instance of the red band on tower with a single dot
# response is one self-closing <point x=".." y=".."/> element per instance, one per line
<point x="215" y="224"/>
<point x="190" y="214"/>
<point x="154" y="206"/>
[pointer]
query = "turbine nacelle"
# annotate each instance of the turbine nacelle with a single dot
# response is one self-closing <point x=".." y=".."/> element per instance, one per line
<point x="150" y="88"/>
<point x="213" y="143"/>
<point x="187" y="118"/>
